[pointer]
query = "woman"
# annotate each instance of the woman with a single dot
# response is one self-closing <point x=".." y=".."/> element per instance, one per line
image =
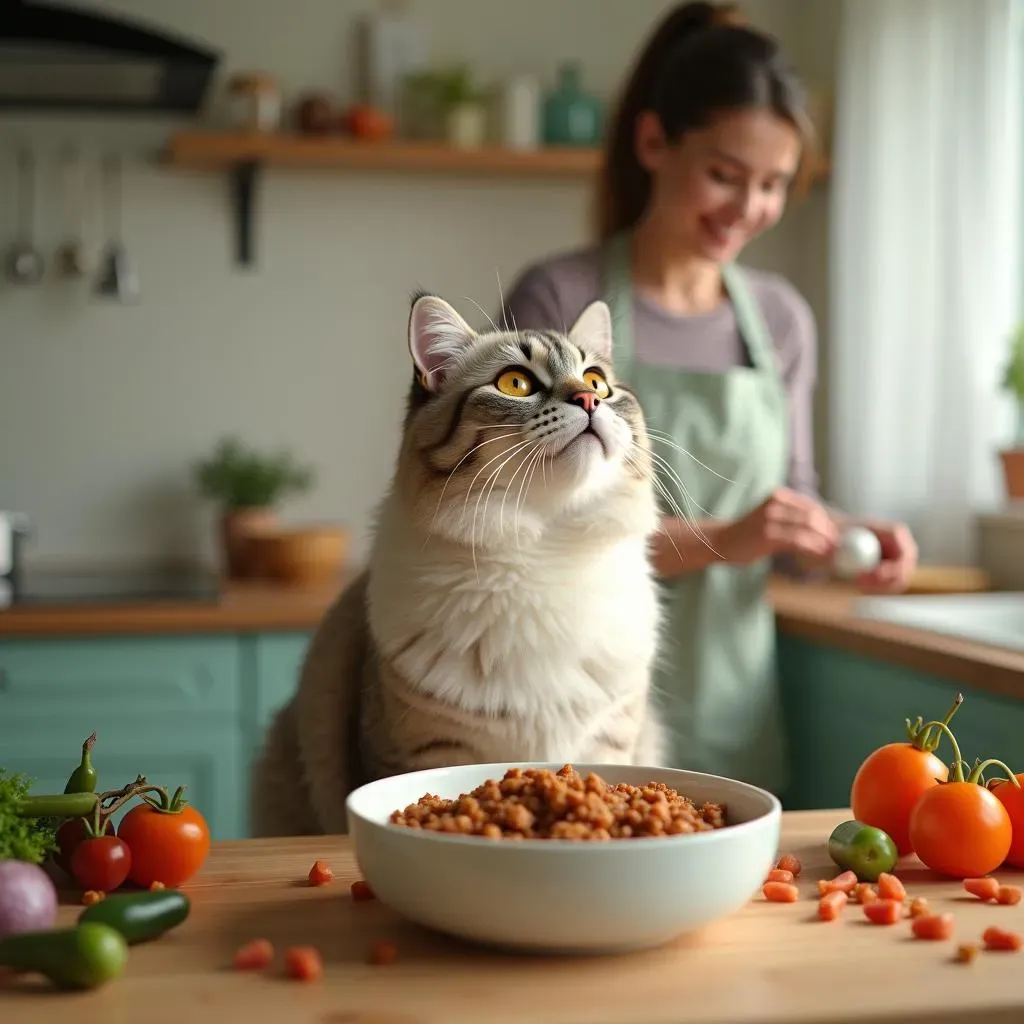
<point x="708" y="140"/>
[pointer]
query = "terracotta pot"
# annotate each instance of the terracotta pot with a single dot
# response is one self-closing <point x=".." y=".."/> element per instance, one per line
<point x="307" y="556"/>
<point x="1013" y="472"/>
<point x="237" y="527"/>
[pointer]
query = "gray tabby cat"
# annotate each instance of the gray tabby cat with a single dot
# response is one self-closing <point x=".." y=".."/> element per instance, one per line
<point x="508" y="611"/>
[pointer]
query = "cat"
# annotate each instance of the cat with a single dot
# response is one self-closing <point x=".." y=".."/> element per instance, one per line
<point x="508" y="610"/>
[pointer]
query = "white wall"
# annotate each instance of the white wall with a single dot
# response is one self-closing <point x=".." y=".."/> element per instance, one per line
<point x="103" y="408"/>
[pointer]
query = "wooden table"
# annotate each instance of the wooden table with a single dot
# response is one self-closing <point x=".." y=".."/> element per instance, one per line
<point x="769" y="963"/>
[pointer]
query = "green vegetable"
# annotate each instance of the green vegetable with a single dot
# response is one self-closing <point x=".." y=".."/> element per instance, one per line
<point x="83" y="778"/>
<point x="863" y="849"/>
<point x="28" y="823"/>
<point x="85" y="956"/>
<point x="139" y="916"/>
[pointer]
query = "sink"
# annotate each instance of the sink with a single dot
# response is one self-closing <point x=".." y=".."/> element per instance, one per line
<point x="995" y="618"/>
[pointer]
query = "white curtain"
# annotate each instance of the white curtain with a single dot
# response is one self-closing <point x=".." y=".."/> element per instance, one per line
<point x="926" y="284"/>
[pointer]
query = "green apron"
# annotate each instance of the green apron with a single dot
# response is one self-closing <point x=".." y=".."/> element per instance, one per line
<point x="717" y="675"/>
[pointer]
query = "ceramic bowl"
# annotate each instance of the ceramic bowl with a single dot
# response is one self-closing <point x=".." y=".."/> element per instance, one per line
<point x="558" y="895"/>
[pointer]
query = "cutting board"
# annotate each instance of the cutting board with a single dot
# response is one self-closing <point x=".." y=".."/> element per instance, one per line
<point x="949" y="579"/>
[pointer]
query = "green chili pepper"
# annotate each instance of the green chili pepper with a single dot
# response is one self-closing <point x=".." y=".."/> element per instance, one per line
<point x="64" y="805"/>
<point x="83" y="778"/>
<point x="139" y="916"/>
<point x="85" y="956"/>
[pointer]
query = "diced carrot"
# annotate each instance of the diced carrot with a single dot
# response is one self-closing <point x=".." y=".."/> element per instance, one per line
<point x="254" y="956"/>
<point x="864" y="892"/>
<point x="382" y="953"/>
<point x="320" y="873"/>
<point x="362" y="891"/>
<point x="830" y="906"/>
<point x="933" y="926"/>
<point x="778" y="875"/>
<point x="780" y="892"/>
<point x="986" y="888"/>
<point x="919" y="907"/>
<point x="1001" y="939"/>
<point x="966" y="952"/>
<point x="1009" y="895"/>
<point x="890" y="887"/>
<point x="91" y="897"/>
<point x="303" y="963"/>
<point x="156" y="886"/>
<point x="789" y="862"/>
<point x="883" y="911"/>
<point x="843" y="882"/>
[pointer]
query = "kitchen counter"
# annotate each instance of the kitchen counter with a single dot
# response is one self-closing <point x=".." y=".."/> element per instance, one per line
<point x="770" y="963"/>
<point x="818" y="612"/>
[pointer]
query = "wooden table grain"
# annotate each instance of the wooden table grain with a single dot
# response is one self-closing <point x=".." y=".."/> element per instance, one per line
<point x="768" y="964"/>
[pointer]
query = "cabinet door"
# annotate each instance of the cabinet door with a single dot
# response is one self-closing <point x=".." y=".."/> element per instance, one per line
<point x="276" y="663"/>
<point x="166" y="708"/>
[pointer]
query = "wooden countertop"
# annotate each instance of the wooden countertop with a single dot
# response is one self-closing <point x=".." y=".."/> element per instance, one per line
<point x="770" y="963"/>
<point x="819" y="612"/>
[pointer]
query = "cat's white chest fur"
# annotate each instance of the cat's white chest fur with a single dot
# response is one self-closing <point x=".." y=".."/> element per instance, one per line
<point x="561" y="625"/>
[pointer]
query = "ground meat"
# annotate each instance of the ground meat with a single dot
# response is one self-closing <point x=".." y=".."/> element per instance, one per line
<point x="537" y="803"/>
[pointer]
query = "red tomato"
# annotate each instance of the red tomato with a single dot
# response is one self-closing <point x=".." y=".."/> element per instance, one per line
<point x="69" y="835"/>
<point x="961" y="829"/>
<point x="889" y="784"/>
<point x="1012" y="798"/>
<point x="101" y="863"/>
<point x="167" y="846"/>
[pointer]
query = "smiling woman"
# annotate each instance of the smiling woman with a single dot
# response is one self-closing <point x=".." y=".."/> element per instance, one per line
<point x="709" y="139"/>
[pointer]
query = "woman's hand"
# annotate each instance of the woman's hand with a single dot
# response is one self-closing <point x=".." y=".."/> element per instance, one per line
<point x="899" y="558"/>
<point x="785" y="522"/>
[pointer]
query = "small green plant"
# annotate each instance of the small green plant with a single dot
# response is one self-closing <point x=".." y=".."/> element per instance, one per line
<point x="1013" y="378"/>
<point x="238" y="477"/>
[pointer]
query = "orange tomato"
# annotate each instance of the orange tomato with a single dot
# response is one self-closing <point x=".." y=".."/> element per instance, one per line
<point x="889" y="784"/>
<point x="1012" y="798"/>
<point x="167" y="846"/>
<point x="960" y="829"/>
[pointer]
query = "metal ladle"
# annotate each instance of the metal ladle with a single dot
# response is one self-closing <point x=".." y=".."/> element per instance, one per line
<point x="117" y="279"/>
<point x="24" y="261"/>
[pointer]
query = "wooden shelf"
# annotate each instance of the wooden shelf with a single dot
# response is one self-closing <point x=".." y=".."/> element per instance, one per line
<point x="213" y="151"/>
<point x="243" y="154"/>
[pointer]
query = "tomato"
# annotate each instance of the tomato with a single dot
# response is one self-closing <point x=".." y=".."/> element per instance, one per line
<point x="893" y="778"/>
<point x="168" y="846"/>
<point x="961" y="829"/>
<point x="1012" y="798"/>
<point x="101" y="863"/>
<point x="888" y="785"/>
<point x="69" y="835"/>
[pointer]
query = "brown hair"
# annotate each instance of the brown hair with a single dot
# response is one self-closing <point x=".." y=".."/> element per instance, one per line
<point x="701" y="60"/>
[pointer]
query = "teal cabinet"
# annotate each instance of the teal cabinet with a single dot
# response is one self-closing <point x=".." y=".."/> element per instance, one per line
<point x="181" y="710"/>
<point x="841" y="706"/>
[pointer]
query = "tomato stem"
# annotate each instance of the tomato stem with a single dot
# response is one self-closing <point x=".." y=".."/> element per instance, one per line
<point x="979" y="769"/>
<point x="921" y="734"/>
<point x="958" y="761"/>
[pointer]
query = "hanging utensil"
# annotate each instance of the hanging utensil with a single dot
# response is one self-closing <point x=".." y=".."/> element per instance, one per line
<point x="70" y="257"/>
<point x="24" y="263"/>
<point x="117" y="279"/>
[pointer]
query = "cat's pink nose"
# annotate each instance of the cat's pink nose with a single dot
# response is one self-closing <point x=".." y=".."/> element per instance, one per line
<point x="586" y="400"/>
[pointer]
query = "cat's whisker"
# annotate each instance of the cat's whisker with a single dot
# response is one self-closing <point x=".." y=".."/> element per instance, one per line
<point x="530" y="453"/>
<point x="528" y="482"/>
<point x="483" y="489"/>
<point x="667" y="467"/>
<point x="483" y="313"/>
<point x="452" y="473"/>
<point x="663" y="438"/>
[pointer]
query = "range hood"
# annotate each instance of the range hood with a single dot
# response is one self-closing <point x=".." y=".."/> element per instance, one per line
<point x="59" y="57"/>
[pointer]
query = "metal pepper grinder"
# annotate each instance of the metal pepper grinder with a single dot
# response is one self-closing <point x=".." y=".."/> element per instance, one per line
<point x="117" y="279"/>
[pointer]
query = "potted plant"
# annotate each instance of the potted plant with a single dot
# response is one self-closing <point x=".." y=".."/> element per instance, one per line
<point x="247" y="485"/>
<point x="446" y="103"/>
<point x="1013" y="381"/>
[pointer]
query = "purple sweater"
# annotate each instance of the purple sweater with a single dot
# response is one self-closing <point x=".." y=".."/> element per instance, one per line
<point x="551" y="294"/>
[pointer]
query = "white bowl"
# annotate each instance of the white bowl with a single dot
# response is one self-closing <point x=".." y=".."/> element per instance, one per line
<point x="559" y="895"/>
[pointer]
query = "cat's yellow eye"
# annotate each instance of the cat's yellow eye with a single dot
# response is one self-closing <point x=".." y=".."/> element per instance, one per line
<point x="594" y="380"/>
<point x="515" y="384"/>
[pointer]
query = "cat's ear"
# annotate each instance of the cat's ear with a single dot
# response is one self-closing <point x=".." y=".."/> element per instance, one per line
<point x="437" y="334"/>
<point x="592" y="331"/>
